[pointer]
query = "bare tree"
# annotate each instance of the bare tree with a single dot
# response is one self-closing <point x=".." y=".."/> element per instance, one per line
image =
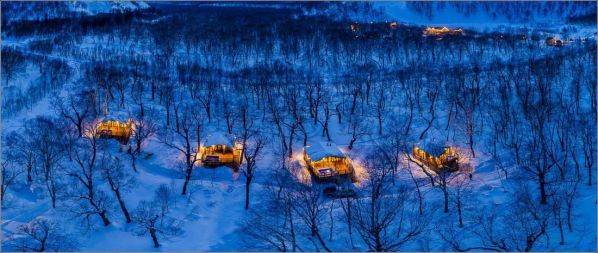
<point x="118" y="81"/>
<point x="461" y="193"/>
<point x="271" y="225"/>
<point x="162" y="196"/>
<point x="208" y="91"/>
<point x="246" y="129"/>
<point x="346" y="204"/>
<point x="24" y="155"/>
<point x="253" y="151"/>
<point x="589" y="147"/>
<point x="166" y="93"/>
<point x="100" y="75"/>
<point x="228" y="109"/>
<point x="394" y="150"/>
<point x="310" y="209"/>
<point x="538" y="164"/>
<point x="539" y="109"/>
<point x="118" y="179"/>
<point x="562" y="192"/>
<point x="148" y="221"/>
<point x="520" y="229"/>
<point x="440" y="179"/>
<point x="294" y="106"/>
<point x="327" y="115"/>
<point x="382" y="99"/>
<point x="315" y="94"/>
<point x="41" y="235"/>
<point x="137" y="85"/>
<point x="47" y="141"/>
<point x="357" y="129"/>
<point x="278" y="117"/>
<point x="13" y="61"/>
<point x="76" y="108"/>
<point x="385" y="220"/>
<point x="143" y="129"/>
<point x="432" y="93"/>
<point x="10" y="172"/>
<point x="468" y="102"/>
<point x="91" y="199"/>
<point x="185" y="139"/>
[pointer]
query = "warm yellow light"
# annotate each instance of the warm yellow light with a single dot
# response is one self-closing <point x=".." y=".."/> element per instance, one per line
<point x="442" y="31"/>
<point x="299" y="170"/>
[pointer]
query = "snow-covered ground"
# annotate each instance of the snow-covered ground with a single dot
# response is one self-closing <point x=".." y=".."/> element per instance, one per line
<point x="212" y="213"/>
<point x="65" y="9"/>
<point x="482" y="20"/>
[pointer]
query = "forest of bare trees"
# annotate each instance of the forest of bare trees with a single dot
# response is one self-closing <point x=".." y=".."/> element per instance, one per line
<point x="272" y="81"/>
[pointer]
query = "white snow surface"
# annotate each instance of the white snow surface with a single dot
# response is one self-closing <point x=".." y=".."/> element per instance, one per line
<point x="41" y="11"/>
<point x="320" y="150"/>
<point x="480" y="20"/>
<point x="218" y="138"/>
<point x="213" y="211"/>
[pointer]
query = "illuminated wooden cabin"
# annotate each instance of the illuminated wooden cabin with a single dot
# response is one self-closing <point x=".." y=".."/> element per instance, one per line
<point x="437" y="157"/>
<point x="114" y="129"/>
<point x="218" y="150"/>
<point x="326" y="161"/>
<point x="554" y="42"/>
<point x="394" y="25"/>
<point x="432" y="31"/>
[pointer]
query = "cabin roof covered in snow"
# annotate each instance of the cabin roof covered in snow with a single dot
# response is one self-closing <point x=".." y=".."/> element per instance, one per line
<point x="317" y="151"/>
<point x="218" y="139"/>
<point x="432" y="148"/>
<point x="120" y="117"/>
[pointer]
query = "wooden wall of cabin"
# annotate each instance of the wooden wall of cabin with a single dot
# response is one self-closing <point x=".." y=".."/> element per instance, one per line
<point x="340" y="165"/>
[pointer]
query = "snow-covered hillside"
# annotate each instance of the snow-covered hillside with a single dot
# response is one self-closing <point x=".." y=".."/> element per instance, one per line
<point x="39" y="11"/>
<point x="490" y="13"/>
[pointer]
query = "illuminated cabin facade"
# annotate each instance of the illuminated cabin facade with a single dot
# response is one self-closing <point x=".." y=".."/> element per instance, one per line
<point x="433" y="31"/>
<point x="219" y="151"/>
<point x="326" y="161"/>
<point x="114" y="129"/>
<point x="554" y="42"/>
<point x="437" y="157"/>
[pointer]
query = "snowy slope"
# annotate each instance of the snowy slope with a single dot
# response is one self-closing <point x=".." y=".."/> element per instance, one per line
<point x="18" y="11"/>
<point x="486" y="15"/>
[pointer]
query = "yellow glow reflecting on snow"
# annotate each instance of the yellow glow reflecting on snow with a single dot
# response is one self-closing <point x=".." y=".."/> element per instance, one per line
<point x="299" y="169"/>
<point x="361" y="173"/>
